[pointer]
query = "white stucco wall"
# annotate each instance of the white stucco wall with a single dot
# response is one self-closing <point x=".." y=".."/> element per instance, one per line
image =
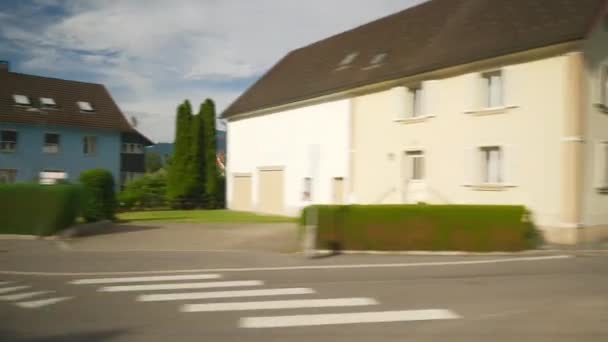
<point x="531" y="134"/>
<point x="286" y="139"/>
<point x="595" y="204"/>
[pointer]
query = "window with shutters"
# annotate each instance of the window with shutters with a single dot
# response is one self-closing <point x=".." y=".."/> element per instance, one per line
<point x="51" y="143"/>
<point x="89" y="145"/>
<point x="8" y="141"/>
<point x="416" y="103"/>
<point x="491" y="165"/>
<point x="493" y="89"/>
<point x="8" y="176"/>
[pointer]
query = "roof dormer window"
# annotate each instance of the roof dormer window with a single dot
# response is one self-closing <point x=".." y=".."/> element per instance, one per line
<point x="347" y="61"/>
<point x="22" y="100"/>
<point x="48" y="102"/>
<point x="85" y="106"/>
<point x="378" y="59"/>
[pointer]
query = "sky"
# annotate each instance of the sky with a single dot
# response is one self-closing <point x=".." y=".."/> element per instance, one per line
<point x="153" y="54"/>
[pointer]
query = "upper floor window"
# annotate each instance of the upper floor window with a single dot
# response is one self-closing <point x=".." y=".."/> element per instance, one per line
<point x="89" y="145"/>
<point x="22" y="100"/>
<point x="85" y="106"/>
<point x="491" y="164"/>
<point x="132" y="148"/>
<point x="416" y="96"/>
<point x="47" y="102"/>
<point x="415" y="165"/>
<point x="493" y="89"/>
<point x="8" y="141"/>
<point x="8" y="175"/>
<point x="51" y="143"/>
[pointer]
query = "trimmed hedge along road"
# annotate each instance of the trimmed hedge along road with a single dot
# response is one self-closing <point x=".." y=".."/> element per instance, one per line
<point x="480" y="228"/>
<point x="38" y="209"/>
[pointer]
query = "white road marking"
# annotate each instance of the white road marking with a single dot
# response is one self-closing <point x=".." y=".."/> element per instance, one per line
<point x="13" y="289"/>
<point x="2" y="283"/>
<point x="40" y="303"/>
<point x="279" y="304"/>
<point x="144" y="279"/>
<point x="182" y="286"/>
<point x="20" y="296"/>
<point x="345" y="318"/>
<point x="223" y="294"/>
<point x="298" y="268"/>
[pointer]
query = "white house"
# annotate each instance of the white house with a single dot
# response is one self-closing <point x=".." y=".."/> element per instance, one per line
<point x="459" y="101"/>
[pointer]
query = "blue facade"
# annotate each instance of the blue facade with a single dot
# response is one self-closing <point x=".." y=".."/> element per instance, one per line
<point x="29" y="159"/>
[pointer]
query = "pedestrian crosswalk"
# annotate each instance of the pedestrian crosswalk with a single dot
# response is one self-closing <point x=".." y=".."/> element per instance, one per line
<point x="28" y="297"/>
<point x="189" y="298"/>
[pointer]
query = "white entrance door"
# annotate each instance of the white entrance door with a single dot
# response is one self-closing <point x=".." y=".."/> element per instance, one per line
<point x="414" y="184"/>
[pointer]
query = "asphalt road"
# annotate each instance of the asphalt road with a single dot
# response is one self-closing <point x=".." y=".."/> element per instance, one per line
<point x="53" y="293"/>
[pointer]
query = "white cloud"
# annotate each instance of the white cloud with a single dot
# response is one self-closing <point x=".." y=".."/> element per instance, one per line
<point x="153" y="54"/>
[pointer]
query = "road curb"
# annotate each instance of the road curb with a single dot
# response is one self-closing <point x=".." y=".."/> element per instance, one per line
<point x="319" y="252"/>
<point x="85" y="229"/>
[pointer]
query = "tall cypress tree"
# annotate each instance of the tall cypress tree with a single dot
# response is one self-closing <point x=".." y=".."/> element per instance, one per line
<point x="181" y="180"/>
<point x="198" y="153"/>
<point x="211" y="172"/>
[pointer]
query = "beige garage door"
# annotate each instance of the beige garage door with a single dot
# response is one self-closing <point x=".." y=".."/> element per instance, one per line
<point x="270" y="191"/>
<point x="241" y="193"/>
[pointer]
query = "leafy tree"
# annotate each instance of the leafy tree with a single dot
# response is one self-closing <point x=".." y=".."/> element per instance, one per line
<point x="182" y="181"/>
<point x="148" y="191"/>
<point x="211" y="172"/>
<point x="153" y="161"/>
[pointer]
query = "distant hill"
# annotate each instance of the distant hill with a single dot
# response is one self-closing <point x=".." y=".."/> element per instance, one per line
<point x="167" y="148"/>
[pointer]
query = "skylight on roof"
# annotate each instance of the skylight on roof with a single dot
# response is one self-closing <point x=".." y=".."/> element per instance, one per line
<point x="48" y="102"/>
<point x="22" y="100"/>
<point x="85" y="106"/>
<point x="349" y="59"/>
<point x="377" y="59"/>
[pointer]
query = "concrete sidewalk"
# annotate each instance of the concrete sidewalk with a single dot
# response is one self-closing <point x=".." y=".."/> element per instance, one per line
<point x="163" y="236"/>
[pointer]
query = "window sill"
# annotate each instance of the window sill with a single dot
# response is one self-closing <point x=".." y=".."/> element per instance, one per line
<point x="8" y="151"/>
<point x="490" y="110"/>
<point x="491" y="187"/>
<point x="414" y="120"/>
<point x="602" y="107"/>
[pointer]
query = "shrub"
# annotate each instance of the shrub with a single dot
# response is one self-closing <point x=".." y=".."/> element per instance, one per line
<point x="38" y="209"/>
<point x="149" y="191"/>
<point x="424" y="227"/>
<point x="99" y="200"/>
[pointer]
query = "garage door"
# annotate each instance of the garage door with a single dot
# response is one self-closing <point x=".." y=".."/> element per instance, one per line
<point x="271" y="191"/>
<point x="241" y="193"/>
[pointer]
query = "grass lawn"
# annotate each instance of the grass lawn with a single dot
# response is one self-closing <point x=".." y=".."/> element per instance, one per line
<point x="227" y="216"/>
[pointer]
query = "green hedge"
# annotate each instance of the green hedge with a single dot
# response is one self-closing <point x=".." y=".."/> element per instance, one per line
<point x="99" y="200"/>
<point x="38" y="209"/>
<point x="424" y="227"/>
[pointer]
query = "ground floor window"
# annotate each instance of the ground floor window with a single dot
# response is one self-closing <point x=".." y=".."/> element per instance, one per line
<point x="52" y="176"/>
<point x="415" y="165"/>
<point x="491" y="164"/>
<point x="8" y="176"/>
<point x="307" y="189"/>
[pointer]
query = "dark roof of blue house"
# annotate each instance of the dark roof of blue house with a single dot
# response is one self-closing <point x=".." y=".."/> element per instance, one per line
<point x="66" y="94"/>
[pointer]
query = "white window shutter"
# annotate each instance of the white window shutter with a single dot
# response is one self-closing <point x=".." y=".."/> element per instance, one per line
<point x="600" y="159"/>
<point x="510" y="88"/>
<point x="509" y="164"/>
<point x="471" y="166"/>
<point x="400" y="98"/>
<point x="475" y="92"/>
<point x="431" y="98"/>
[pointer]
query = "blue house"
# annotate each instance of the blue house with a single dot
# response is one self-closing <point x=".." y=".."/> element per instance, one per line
<point x="53" y="129"/>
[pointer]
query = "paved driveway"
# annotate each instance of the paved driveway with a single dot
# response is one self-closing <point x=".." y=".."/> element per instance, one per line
<point x="160" y="236"/>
